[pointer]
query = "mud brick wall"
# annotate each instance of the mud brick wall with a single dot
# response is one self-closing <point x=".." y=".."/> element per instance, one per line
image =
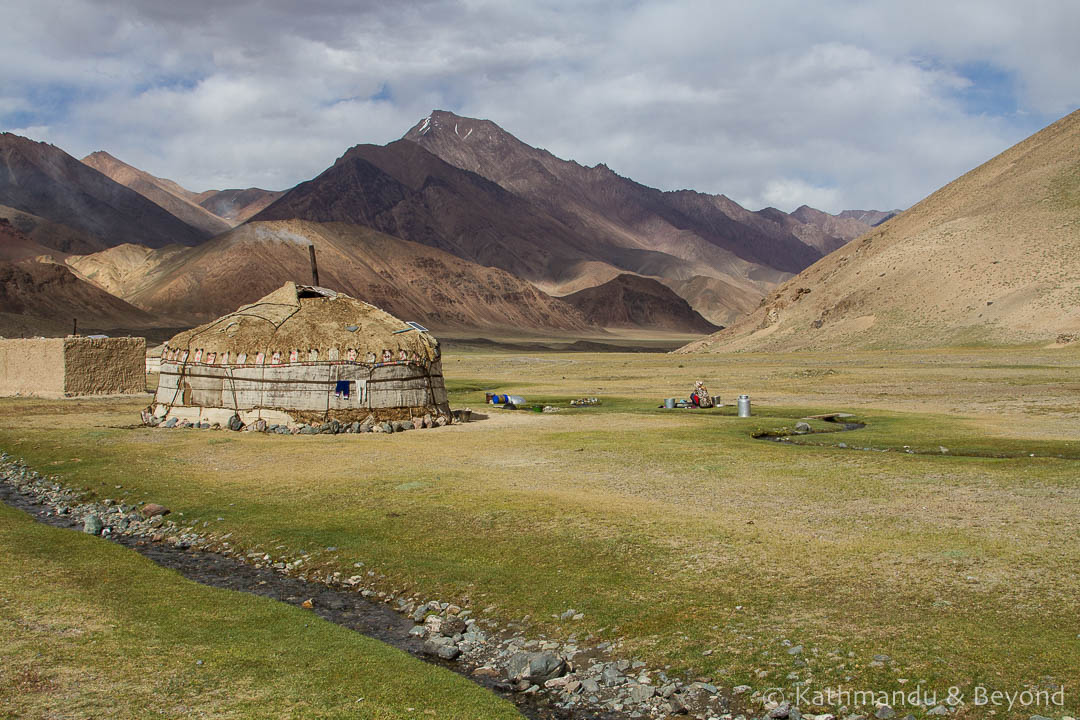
<point x="104" y="366"/>
<point x="32" y="367"/>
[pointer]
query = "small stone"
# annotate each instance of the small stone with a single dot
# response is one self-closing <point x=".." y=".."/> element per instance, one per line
<point x="802" y="427"/>
<point x="93" y="525"/>
<point x="740" y="689"/>
<point x="780" y="711"/>
<point x="150" y="510"/>
<point x="675" y="706"/>
<point x="797" y="650"/>
<point x="885" y="713"/>
<point x="641" y="693"/>
<point x="235" y="423"/>
<point x="534" y="667"/>
<point x="171" y="422"/>
<point x="444" y="651"/>
<point x="611" y="676"/>
<point x="452" y="625"/>
<point x="938" y="710"/>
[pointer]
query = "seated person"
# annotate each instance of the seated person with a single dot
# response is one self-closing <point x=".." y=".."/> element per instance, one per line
<point x="700" y="396"/>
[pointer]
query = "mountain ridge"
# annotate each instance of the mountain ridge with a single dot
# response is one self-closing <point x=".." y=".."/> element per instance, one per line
<point x="167" y="194"/>
<point x="43" y="180"/>
<point x="990" y="258"/>
<point x="410" y="280"/>
<point x="632" y="301"/>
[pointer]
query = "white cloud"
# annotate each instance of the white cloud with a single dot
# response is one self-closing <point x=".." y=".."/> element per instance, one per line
<point x="789" y="193"/>
<point x="841" y="104"/>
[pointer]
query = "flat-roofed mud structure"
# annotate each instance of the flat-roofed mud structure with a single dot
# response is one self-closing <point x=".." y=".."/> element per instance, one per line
<point x="75" y="365"/>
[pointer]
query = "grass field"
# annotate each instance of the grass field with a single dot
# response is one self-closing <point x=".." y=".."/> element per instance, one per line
<point x="90" y="629"/>
<point x="675" y="530"/>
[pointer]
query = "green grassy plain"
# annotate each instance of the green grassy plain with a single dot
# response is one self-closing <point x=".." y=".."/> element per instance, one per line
<point x="675" y="530"/>
<point x="91" y="629"/>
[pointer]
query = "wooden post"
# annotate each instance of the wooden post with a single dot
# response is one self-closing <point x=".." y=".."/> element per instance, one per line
<point x="75" y="326"/>
<point x="314" y="266"/>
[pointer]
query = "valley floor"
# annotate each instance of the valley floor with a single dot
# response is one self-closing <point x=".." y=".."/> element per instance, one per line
<point x="948" y="547"/>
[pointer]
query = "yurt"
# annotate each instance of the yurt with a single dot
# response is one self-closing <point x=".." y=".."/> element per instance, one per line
<point x="301" y="355"/>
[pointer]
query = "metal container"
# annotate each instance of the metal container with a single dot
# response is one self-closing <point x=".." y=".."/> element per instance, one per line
<point x="669" y="403"/>
<point x="744" y="406"/>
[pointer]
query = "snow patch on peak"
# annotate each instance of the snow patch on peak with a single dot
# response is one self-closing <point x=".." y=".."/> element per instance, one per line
<point x="426" y="126"/>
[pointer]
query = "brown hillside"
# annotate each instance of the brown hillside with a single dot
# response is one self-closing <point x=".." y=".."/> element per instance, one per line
<point x="164" y="193"/>
<point x="43" y="180"/>
<point x="638" y="302"/>
<point x="125" y="269"/>
<point x="51" y="235"/>
<point x="411" y="281"/>
<point x="403" y="190"/>
<point x="992" y="257"/>
<point x="834" y="231"/>
<point x="14" y="245"/>
<point x="40" y="298"/>
<point x="237" y="206"/>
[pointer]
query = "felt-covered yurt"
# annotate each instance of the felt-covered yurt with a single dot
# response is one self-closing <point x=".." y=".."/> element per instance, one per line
<point x="301" y="354"/>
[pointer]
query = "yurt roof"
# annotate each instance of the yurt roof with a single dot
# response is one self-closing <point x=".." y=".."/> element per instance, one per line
<point x="304" y="317"/>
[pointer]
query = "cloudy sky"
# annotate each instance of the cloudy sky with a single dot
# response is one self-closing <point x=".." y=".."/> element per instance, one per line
<point x="835" y="104"/>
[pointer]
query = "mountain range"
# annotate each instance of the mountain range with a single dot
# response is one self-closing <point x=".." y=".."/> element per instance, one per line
<point x="469" y="187"/>
<point x="991" y="258"/>
<point x="409" y="280"/>
<point x="44" y="181"/>
<point x="459" y="224"/>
